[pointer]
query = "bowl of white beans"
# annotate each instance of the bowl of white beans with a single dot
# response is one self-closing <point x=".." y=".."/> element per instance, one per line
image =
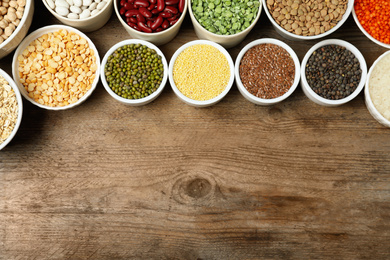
<point x="17" y="17"/>
<point x="85" y="15"/>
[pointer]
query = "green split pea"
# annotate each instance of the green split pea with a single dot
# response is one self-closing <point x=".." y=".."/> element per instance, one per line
<point x="225" y="17"/>
<point x="134" y="71"/>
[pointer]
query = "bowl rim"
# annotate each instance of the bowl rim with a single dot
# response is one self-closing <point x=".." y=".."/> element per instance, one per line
<point x="230" y="36"/>
<point x="372" y="109"/>
<point x="171" y="28"/>
<point x="356" y="53"/>
<point x="19" y="99"/>
<point x="201" y="103"/>
<point x="60" y="17"/>
<point x="36" y="34"/>
<point x="312" y="37"/>
<point x="27" y="7"/>
<point x="146" y="99"/>
<point x="366" y="33"/>
<point x="250" y="96"/>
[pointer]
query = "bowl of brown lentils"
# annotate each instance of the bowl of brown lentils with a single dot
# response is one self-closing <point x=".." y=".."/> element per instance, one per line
<point x="309" y="19"/>
<point x="11" y="109"/>
<point x="333" y="72"/>
<point x="267" y="71"/>
<point x="134" y="72"/>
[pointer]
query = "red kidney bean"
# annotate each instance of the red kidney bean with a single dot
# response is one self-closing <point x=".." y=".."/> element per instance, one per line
<point x="171" y="2"/>
<point x="166" y="14"/>
<point x="122" y="11"/>
<point x="141" y="3"/>
<point x="165" y="24"/>
<point x="133" y="20"/>
<point x="181" y="5"/>
<point x="134" y="26"/>
<point x="173" y="22"/>
<point x="132" y="12"/>
<point x="171" y="9"/>
<point x="160" y="5"/>
<point x="155" y="11"/>
<point x="145" y="12"/>
<point x="144" y="28"/>
<point x="151" y="7"/>
<point x="156" y="23"/>
<point x="153" y="1"/>
<point x="159" y="29"/>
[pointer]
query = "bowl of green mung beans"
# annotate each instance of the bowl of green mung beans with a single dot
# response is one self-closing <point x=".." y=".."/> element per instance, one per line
<point x="134" y="72"/>
<point x="224" y="22"/>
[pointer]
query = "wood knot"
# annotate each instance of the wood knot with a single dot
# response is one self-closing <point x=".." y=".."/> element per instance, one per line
<point x="194" y="189"/>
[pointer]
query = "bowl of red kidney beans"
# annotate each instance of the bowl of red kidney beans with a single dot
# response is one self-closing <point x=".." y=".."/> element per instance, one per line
<point x="156" y="21"/>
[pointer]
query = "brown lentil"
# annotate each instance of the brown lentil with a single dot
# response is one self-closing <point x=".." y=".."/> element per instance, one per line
<point x="267" y="71"/>
<point x="201" y="72"/>
<point x="307" y="17"/>
<point x="57" y="68"/>
<point x="8" y="109"/>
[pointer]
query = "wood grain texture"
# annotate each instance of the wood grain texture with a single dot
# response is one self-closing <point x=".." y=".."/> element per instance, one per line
<point x="170" y="181"/>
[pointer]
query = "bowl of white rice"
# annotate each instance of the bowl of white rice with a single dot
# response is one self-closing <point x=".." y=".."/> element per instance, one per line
<point x="377" y="89"/>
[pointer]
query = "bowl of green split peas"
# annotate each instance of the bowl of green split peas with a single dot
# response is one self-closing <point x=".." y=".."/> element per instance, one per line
<point x="226" y="22"/>
<point x="134" y="72"/>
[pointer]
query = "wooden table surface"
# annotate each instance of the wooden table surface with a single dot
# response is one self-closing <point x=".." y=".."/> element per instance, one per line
<point x="170" y="181"/>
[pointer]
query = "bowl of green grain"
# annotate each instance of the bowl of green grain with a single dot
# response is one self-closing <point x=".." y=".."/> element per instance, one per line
<point x="201" y="73"/>
<point x="224" y="22"/>
<point x="333" y="72"/>
<point x="134" y="72"/>
<point x="307" y="20"/>
<point x="377" y="91"/>
<point x="267" y="71"/>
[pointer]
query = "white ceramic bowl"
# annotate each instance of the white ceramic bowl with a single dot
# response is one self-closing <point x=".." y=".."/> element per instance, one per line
<point x="292" y="36"/>
<point x="141" y="101"/>
<point x="366" y="33"/>
<point x="20" y="32"/>
<point x="36" y="34"/>
<point x="227" y="41"/>
<point x="253" y="98"/>
<point x="20" y="108"/>
<point x="327" y="102"/>
<point x="369" y="103"/>
<point x="157" y="38"/>
<point x="89" y="24"/>
<point x="188" y="100"/>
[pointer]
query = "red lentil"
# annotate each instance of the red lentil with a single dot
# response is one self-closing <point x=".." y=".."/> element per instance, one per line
<point x="374" y="16"/>
<point x="267" y="71"/>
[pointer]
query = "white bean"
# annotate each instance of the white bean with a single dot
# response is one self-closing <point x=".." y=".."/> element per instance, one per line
<point x="78" y="3"/>
<point x="63" y="11"/>
<point x="70" y="2"/>
<point x="92" y="6"/>
<point x="75" y="9"/>
<point x="94" y="12"/>
<point x="61" y="3"/>
<point x="73" y="16"/>
<point x="87" y="2"/>
<point x="51" y="4"/>
<point x="101" y="5"/>
<point x="85" y="14"/>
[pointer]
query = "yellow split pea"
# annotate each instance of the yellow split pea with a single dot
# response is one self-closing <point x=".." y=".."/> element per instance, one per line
<point x="201" y="72"/>
<point x="57" y="68"/>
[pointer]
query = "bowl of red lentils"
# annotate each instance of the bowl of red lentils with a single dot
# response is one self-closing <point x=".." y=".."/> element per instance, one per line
<point x="134" y="72"/>
<point x="307" y="20"/>
<point x="201" y="73"/>
<point x="56" y="67"/>
<point x="373" y="18"/>
<point x="11" y="109"/>
<point x="333" y="72"/>
<point x="16" y="20"/>
<point x="377" y="91"/>
<point x="156" y="21"/>
<point x="224" y="22"/>
<point x="267" y="71"/>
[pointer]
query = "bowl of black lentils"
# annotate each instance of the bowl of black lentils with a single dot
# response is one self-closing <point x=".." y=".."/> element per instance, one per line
<point x="267" y="71"/>
<point x="134" y="72"/>
<point x="333" y="72"/>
